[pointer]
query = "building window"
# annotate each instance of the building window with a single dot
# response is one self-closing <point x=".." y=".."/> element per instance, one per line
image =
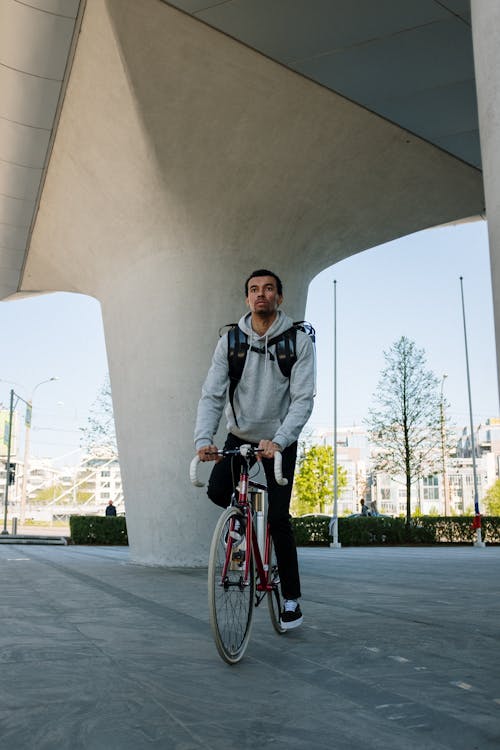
<point x="431" y="488"/>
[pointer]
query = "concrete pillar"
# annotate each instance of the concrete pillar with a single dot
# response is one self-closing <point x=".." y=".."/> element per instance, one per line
<point x="184" y="160"/>
<point x="486" y="40"/>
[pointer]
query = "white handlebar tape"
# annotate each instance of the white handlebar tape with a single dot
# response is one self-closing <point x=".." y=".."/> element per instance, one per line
<point x="193" y="472"/>
<point x="278" y="473"/>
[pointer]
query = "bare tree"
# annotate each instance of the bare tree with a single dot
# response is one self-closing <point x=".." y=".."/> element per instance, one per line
<point x="405" y="426"/>
<point x="100" y="429"/>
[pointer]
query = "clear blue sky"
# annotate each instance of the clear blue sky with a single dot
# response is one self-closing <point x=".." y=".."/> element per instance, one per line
<point x="408" y="287"/>
<point x="53" y="335"/>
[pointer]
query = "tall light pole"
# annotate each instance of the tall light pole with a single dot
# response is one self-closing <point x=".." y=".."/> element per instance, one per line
<point x="334" y="523"/>
<point x="7" y="465"/>
<point x="477" y="515"/>
<point x="443" y="451"/>
<point x="27" y="438"/>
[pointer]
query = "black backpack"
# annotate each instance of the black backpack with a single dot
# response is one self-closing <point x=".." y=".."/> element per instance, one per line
<point x="285" y="351"/>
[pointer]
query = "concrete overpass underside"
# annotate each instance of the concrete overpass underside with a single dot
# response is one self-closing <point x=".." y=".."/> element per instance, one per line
<point x="180" y="159"/>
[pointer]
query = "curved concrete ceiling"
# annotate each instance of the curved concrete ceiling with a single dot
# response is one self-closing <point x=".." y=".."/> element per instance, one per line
<point x="35" y="42"/>
<point x="410" y="61"/>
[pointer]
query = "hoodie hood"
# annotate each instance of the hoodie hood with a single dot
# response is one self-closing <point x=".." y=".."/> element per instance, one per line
<point x="281" y="323"/>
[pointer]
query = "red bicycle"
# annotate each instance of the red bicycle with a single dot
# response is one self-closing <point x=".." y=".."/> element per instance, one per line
<point x="242" y="568"/>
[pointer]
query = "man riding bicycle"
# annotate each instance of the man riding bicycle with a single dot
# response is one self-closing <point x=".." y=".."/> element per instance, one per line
<point x="266" y="408"/>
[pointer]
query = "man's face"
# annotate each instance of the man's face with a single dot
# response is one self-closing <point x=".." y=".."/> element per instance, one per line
<point x="263" y="298"/>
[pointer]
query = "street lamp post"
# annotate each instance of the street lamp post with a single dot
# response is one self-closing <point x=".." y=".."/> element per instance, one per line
<point x="7" y="465"/>
<point x="443" y="451"/>
<point x="334" y="522"/>
<point x="27" y="440"/>
<point x="477" y="515"/>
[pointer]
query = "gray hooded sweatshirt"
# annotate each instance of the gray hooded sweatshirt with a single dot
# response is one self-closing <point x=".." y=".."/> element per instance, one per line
<point x="268" y="405"/>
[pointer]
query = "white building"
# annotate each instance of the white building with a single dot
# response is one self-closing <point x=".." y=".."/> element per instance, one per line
<point x="352" y="455"/>
<point x="388" y="495"/>
<point x="451" y="491"/>
<point x="428" y="494"/>
<point x="85" y="489"/>
<point x="99" y="475"/>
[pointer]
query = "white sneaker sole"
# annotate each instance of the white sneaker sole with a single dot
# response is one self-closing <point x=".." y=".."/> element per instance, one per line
<point x="292" y="625"/>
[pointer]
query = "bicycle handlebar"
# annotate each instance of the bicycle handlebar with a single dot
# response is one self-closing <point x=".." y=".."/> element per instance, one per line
<point x="247" y="451"/>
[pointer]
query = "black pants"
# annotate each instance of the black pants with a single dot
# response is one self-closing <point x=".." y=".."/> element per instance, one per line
<point x="224" y="478"/>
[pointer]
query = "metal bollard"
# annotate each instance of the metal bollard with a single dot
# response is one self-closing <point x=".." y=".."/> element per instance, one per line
<point x="14" y="526"/>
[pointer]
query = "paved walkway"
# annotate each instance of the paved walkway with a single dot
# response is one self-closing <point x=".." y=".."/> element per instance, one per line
<point x="400" y="650"/>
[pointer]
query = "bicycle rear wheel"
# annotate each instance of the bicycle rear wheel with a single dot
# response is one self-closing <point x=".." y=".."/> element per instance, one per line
<point x="230" y="599"/>
<point x="274" y="596"/>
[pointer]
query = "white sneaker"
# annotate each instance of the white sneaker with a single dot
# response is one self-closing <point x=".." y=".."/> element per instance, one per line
<point x="291" y="617"/>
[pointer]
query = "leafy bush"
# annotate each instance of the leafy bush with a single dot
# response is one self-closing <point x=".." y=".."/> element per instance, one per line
<point x="311" y="530"/>
<point x="98" y="530"/>
<point x="365" y="530"/>
<point x="491" y="529"/>
<point x="371" y="530"/>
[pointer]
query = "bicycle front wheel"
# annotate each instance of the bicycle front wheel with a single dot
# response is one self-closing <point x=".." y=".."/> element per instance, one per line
<point x="230" y="597"/>
<point x="274" y="596"/>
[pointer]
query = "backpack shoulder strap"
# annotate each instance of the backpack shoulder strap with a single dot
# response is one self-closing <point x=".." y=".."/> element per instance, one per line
<point x="237" y="348"/>
<point x="286" y="350"/>
<point x="286" y="345"/>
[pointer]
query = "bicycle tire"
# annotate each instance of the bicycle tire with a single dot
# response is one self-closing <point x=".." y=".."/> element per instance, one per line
<point x="274" y="596"/>
<point x="230" y="604"/>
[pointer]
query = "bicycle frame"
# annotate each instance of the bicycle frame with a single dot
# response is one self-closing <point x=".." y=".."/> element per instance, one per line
<point x="261" y="561"/>
<point x="241" y="572"/>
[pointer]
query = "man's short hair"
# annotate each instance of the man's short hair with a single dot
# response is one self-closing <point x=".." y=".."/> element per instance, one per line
<point x="265" y="272"/>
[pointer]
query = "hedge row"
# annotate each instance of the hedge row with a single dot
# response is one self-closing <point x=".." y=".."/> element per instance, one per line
<point x="98" y="530"/>
<point x="314" y="530"/>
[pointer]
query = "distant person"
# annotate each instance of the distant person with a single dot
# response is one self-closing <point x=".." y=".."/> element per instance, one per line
<point x="364" y="509"/>
<point x="110" y="509"/>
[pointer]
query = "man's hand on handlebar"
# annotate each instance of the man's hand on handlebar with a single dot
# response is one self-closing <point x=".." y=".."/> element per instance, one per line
<point x="267" y="449"/>
<point x="209" y="453"/>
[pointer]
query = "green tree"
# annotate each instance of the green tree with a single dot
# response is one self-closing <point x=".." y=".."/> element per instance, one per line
<point x="313" y="484"/>
<point x="492" y="499"/>
<point x="405" y="426"/>
<point x="100" y="429"/>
